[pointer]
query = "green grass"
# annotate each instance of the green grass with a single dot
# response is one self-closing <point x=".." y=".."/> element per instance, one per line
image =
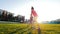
<point x="50" y="28"/>
<point x="26" y="29"/>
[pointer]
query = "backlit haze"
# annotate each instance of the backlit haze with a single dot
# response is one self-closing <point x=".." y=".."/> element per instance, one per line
<point x="47" y="10"/>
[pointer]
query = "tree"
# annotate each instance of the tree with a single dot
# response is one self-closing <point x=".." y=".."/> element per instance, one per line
<point x="4" y="16"/>
<point x="10" y="16"/>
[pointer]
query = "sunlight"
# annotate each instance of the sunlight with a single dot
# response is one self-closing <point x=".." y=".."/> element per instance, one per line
<point x="46" y="11"/>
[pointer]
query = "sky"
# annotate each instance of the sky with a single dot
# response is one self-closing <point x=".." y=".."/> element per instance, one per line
<point x="47" y="10"/>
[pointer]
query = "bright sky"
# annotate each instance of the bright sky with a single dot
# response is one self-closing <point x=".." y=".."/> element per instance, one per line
<point x="47" y="10"/>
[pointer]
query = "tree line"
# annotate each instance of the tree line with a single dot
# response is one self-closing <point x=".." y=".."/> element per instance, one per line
<point x="7" y="16"/>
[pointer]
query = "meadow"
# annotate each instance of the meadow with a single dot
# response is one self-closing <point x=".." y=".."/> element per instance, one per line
<point x="26" y="29"/>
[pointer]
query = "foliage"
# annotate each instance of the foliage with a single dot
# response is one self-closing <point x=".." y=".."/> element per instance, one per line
<point x="7" y="16"/>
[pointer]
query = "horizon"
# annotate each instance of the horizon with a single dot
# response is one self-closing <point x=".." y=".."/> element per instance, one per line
<point x="47" y="10"/>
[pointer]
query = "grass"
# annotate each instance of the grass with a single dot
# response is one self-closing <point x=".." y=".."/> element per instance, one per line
<point x="50" y="28"/>
<point x="26" y="29"/>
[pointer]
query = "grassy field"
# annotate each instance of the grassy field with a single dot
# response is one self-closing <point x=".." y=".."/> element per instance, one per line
<point x="26" y="29"/>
